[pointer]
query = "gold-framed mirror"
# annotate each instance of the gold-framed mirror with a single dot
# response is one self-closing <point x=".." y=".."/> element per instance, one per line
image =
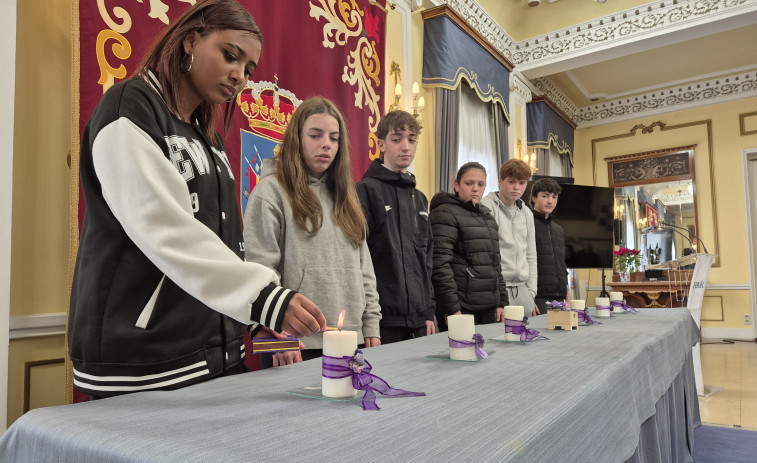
<point x="655" y="203"/>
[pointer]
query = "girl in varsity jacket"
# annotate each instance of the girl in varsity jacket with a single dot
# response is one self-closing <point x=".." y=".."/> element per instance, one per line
<point x="161" y="290"/>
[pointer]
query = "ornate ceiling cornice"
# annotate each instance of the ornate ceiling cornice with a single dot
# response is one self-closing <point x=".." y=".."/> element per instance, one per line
<point x="519" y="86"/>
<point x="740" y="85"/>
<point x="629" y="25"/>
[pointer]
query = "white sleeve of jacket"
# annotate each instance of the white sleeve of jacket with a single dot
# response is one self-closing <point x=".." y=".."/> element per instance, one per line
<point x="533" y="269"/>
<point x="151" y="200"/>
<point x="372" y="312"/>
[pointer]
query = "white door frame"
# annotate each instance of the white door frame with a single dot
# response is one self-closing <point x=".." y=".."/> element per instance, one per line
<point x="750" y="155"/>
<point x="7" y="98"/>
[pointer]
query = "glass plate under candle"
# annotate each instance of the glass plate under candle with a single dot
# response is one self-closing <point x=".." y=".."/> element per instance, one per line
<point x="501" y="338"/>
<point x="444" y="355"/>
<point x="315" y="392"/>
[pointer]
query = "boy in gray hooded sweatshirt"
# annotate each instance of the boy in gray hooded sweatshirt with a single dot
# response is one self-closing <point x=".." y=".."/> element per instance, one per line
<point x="517" y="242"/>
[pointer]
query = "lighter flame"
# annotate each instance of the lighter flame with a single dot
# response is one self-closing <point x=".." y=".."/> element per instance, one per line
<point x="340" y="321"/>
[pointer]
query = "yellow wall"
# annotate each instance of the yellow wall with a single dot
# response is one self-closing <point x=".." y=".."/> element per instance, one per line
<point x="39" y="248"/>
<point x="40" y="242"/>
<point x="682" y="128"/>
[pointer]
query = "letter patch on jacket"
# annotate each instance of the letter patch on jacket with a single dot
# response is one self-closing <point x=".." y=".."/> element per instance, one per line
<point x="184" y="153"/>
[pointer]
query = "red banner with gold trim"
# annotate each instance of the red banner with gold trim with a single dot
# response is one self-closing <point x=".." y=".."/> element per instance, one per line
<point x="331" y="48"/>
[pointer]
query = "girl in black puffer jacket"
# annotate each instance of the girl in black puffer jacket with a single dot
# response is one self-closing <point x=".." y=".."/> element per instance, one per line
<point x="467" y="277"/>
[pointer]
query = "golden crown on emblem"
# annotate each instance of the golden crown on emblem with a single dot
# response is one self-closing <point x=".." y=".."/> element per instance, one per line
<point x="267" y="107"/>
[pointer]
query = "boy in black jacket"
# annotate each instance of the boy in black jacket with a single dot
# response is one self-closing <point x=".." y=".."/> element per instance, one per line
<point x="399" y="235"/>
<point x="550" y="245"/>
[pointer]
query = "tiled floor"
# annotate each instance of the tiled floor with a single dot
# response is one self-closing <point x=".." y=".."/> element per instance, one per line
<point x="734" y="368"/>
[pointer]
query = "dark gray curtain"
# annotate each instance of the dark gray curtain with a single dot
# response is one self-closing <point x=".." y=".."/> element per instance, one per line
<point x="567" y="167"/>
<point x="446" y="114"/>
<point x="500" y="133"/>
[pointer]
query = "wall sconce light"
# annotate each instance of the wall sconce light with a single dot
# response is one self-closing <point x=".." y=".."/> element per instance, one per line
<point x="529" y="159"/>
<point x="418" y="102"/>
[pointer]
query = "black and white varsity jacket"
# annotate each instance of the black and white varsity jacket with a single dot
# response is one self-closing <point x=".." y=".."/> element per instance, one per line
<point x="161" y="292"/>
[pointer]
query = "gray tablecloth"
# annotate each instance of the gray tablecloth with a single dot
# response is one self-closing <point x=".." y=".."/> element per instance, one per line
<point x="580" y="396"/>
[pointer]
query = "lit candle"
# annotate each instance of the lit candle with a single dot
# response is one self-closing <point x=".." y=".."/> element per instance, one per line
<point x="339" y="344"/>
<point x="603" y="302"/>
<point x="616" y="296"/>
<point x="513" y="312"/>
<point x="577" y="304"/>
<point x="421" y="103"/>
<point x="416" y="89"/>
<point x="461" y="328"/>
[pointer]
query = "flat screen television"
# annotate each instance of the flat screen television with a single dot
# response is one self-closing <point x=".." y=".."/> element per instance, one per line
<point x="586" y="215"/>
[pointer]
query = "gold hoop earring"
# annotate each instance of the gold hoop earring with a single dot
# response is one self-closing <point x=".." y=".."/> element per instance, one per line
<point x="191" y="61"/>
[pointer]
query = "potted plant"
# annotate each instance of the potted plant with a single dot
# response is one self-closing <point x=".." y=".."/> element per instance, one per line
<point x="626" y="262"/>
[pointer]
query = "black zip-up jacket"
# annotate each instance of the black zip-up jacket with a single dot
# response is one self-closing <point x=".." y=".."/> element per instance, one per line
<point x="400" y="242"/>
<point x="550" y="258"/>
<point x="160" y="290"/>
<point x="467" y="271"/>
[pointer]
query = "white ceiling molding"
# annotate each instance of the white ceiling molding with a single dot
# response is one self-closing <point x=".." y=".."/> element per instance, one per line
<point x="713" y="91"/>
<point x="630" y="31"/>
<point x="520" y="87"/>
<point x="683" y="82"/>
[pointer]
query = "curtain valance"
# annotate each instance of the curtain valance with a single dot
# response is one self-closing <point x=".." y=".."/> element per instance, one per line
<point x="546" y="126"/>
<point x="451" y="54"/>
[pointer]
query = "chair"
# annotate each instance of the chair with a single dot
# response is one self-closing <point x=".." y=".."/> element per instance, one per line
<point x="695" y="298"/>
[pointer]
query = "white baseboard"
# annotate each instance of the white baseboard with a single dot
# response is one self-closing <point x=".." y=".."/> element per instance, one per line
<point x="728" y="333"/>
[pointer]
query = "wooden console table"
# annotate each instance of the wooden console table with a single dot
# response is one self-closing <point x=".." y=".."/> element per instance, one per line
<point x="664" y="293"/>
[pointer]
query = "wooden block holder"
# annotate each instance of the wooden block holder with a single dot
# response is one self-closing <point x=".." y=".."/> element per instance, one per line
<point x="562" y="320"/>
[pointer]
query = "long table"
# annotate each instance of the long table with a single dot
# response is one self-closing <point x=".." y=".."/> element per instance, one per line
<point x="622" y="391"/>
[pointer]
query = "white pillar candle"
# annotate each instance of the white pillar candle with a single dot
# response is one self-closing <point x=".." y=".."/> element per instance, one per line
<point x="461" y="328"/>
<point x="513" y="312"/>
<point x="602" y="301"/>
<point x="338" y="344"/>
<point x="616" y="296"/>
<point x="577" y="304"/>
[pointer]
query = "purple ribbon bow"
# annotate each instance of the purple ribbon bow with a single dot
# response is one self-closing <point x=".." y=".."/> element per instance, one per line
<point x="623" y="305"/>
<point x="604" y="307"/>
<point x="583" y="317"/>
<point x="521" y="327"/>
<point x="555" y="305"/>
<point x="360" y="370"/>
<point x="478" y="342"/>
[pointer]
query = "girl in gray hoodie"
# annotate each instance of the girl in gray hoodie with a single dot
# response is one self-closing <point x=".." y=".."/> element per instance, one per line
<point x="304" y="220"/>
